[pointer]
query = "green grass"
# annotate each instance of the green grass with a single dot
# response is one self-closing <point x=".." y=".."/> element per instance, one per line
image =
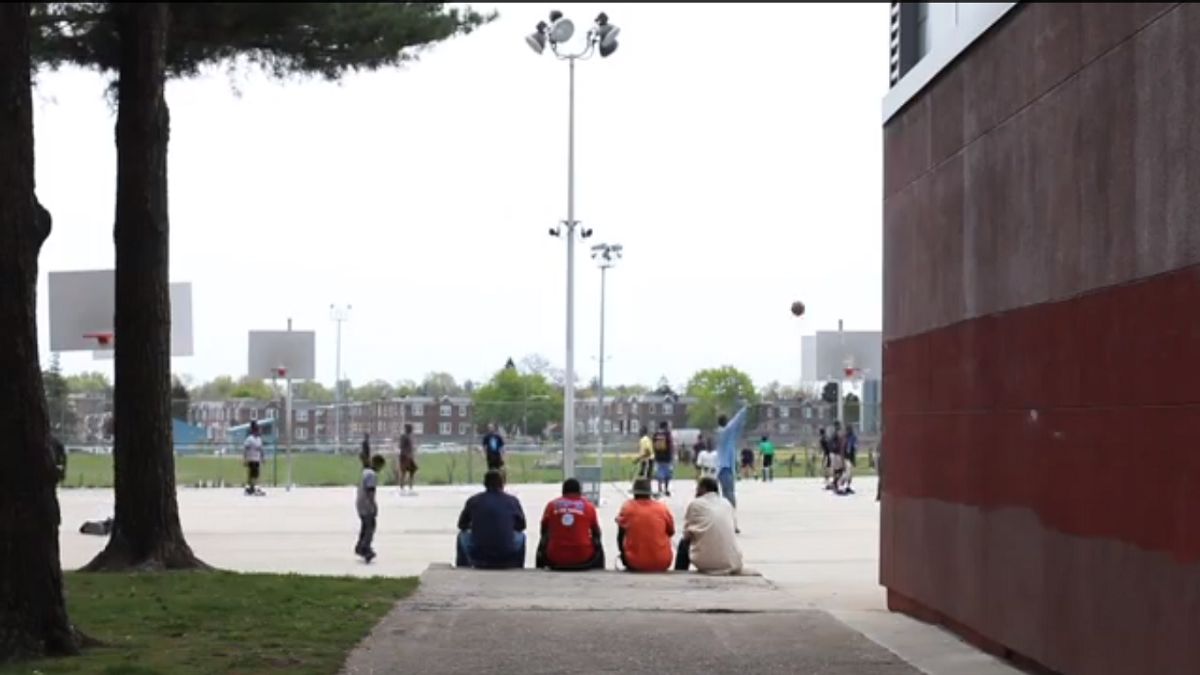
<point x="202" y="623"/>
<point x="318" y="470"/>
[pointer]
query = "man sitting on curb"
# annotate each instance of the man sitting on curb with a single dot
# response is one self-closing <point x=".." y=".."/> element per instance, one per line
<point x="644" y="531"/>
<point x="570" y="532"/>
<point x="491" y="528"/>
<point x="709" y="535"/>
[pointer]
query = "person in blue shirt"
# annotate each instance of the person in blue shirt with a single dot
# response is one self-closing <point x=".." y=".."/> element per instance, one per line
<point x="728" y="433"/>
<point x="491" y="528"/>
<point x="493" y="448"/>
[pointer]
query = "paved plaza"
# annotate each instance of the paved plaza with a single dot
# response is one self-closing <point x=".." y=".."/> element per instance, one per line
<point x="817" y="555"/>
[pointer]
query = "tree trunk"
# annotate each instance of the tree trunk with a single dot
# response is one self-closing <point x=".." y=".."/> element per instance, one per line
<point x="33" y="611"/>
<point x="146" y="531"/>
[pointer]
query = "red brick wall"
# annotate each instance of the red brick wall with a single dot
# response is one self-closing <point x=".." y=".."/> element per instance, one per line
<point x="1042" y="341"/>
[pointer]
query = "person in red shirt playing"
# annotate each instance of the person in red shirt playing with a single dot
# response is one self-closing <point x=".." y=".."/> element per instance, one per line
<point x="570" y="532"/>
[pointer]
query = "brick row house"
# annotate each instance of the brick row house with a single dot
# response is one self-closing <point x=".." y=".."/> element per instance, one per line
<point x="445" y="418"/>
<point x="450" y="418"/>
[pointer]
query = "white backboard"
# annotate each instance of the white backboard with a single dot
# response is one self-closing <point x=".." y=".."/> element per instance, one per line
<point x="272" y="349"/>
<point x="808" y="359"/>
<point x="84" y="302"/>
<point x="861" y="347"/>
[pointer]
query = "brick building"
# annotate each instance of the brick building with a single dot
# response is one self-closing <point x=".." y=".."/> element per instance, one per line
<point x="1041" y="244"/>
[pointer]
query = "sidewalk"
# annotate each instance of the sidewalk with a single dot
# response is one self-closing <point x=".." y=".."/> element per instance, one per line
<point x="463" y="621"/>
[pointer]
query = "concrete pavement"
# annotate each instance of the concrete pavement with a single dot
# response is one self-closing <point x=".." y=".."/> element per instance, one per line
<point x="818" y="555"/>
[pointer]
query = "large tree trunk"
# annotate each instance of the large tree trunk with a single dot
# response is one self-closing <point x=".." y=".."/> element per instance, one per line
<point x="146" y="531"/>
<point x="33" y="612"/>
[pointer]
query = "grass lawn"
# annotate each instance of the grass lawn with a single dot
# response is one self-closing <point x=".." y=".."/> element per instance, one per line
<point x="205" y="623"/>
<point x="316" y="469"/>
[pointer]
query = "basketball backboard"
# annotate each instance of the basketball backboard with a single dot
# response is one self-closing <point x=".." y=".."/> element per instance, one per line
<point x="836" y="350"/>
<point x="295" y="351"/>
<point x="808" y="359"/>
<point x="83" y="302"/>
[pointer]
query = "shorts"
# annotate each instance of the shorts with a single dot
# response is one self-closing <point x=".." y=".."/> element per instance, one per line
<point x="768" y="461"/>
<point x="747" y="462"/>
<point x="645" y="469"/>
<point x="254" y="469"/>
<point x="664" y="470"/>
<point x="408" y="465"/>
<point x="495" y="461"/>
<point x="828" y="460"/>
<point x="836" y="462"/>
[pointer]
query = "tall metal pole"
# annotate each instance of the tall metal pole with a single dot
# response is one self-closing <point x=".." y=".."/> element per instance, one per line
<point x="287" y="418"/>
<point x="600" y="384"/>
<point x="569" y="368"/>
<point x="339" y="315"/>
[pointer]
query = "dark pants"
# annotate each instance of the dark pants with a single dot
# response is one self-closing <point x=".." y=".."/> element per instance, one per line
<point x="366" y="533"/>
<point x="683" y="555"/>
<point x="595" y="563"/>
<point x="466" y="555"/>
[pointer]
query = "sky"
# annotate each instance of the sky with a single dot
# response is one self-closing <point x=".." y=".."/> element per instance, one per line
<point x="740" y="172"/>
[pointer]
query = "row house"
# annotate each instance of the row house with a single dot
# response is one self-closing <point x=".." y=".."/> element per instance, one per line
<point x="626" y="415"/>
<point x="797" y="418"/>
<point x="434" y="418"/>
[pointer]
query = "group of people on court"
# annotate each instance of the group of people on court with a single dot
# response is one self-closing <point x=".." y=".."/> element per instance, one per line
<point x="840" y="451"/>
<point x="493" y="531"/>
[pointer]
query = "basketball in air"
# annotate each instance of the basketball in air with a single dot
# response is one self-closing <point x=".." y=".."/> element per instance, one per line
<point x="797" y="308"/>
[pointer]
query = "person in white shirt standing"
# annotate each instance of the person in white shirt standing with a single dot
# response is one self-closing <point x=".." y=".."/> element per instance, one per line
<point x="368" y="508"/>
<point x="706" y="462"/>
<point x="252" y="457"/>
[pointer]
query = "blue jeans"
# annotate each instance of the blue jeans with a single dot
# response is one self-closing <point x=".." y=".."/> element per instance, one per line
<point x="726" y="480"/>
<point x="466" y="554"/>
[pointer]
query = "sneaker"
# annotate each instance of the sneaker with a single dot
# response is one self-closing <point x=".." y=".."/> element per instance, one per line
<point x="368" y="556"/>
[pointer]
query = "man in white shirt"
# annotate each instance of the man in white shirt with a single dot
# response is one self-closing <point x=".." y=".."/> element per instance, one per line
<point x="252" y="456"/>
<point x="368" y="508"/>
<point x="709" y="540"/>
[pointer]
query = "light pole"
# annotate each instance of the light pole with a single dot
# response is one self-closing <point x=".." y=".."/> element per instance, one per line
<point x="606" y="256"/>
<point x="339" y="314"/>
<point x="600" y="39"/>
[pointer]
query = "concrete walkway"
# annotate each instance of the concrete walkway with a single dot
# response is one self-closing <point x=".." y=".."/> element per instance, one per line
<point x="469" y="622"/>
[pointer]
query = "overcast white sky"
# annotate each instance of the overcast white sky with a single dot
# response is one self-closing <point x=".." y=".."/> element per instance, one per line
<point x="733" y="149"/>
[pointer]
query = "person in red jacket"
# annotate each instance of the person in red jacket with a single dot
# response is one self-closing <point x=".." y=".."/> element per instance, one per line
<point x="570" y="532"/>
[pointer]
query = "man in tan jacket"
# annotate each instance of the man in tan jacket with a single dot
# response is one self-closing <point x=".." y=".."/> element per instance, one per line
<point x="709" y="540"/>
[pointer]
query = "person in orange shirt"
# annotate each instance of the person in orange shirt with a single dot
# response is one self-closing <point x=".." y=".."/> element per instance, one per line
<point x="644" y="530"/>
<point x="570" y="532"/>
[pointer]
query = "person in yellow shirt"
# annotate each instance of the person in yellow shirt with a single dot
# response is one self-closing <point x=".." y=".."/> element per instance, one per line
<point x="645" y="458"/>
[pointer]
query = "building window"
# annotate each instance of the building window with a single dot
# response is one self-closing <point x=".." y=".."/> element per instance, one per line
<point x="254" y="413"/>
<point x="668" y="409"/>
<point x="302" y="434"/>
<point x="418" y="428"/>
<point x="922" y="29"/>
<point x="784" y="412"/>
<point x="445" y="410"/>
<point x="808" y="413"/>
<point x="418" y="409"/>
<point x="444" y="428"/>
<point x="301" y="415"/>
<point x="462" y="411"/>
<point x="650" y="408"/>
<point x="464" y="429"/>
<point x="783" y="428"/>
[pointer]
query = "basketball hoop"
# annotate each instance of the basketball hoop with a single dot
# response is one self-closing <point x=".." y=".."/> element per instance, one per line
<point x="280" y="372"/>
<point x="104" y="339"/>
<point x="849" y="370"/>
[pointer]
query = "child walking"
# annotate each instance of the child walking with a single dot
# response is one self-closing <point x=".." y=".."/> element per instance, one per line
<point x="368" y="508"/>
